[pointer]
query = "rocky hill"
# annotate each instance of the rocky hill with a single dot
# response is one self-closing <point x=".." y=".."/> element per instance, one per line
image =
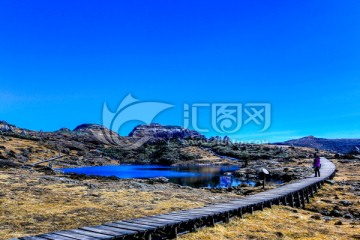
<point x="157" y="131"/>
<point x="341" y="145"/>
<point x="93" y="144"/>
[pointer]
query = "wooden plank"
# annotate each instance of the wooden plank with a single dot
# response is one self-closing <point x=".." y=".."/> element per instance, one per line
<point x="216" y="210"/>
<point x="51" y="236"/>
<point x="168" y="220"/>
<point x="228" y="206"/>
<point x="210" y="211"/>
<point x="74" y="235"/>
<point x="197" y="215"/>
<point x="172" y="217"/>
<point x="153" y="224"/>
<point x="99" y="229"/>
<point x="175" y="217"/>
<point x="257" y="199"/>
<point x="91" y="234"/>
<point x="182" y="219"/>
<point x="165" y="221"/>
<point x="269" y="194"/>
<point x="131" y="226"/>
<point x="148" y="222"/>
<point x="33" y="238"/>
<point x="159" y="221"/>
<point x="141" y="226"/>
<point x="192" y="214"/>
<point x="237" y="205"/>
<point x="122" y="231"/>
<point x="126" y="227"/>
<point x="176" y="221"/>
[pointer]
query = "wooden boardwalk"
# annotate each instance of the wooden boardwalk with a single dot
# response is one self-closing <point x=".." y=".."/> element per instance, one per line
<point x="168" y="226"/>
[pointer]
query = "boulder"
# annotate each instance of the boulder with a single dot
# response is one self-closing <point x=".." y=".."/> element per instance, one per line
<point x="338" y="222"/>
<point x="159" y="180"/>
<point x="331" y="182"/>
<point x="8" y="164"/>
<point x="336" y="213"/>
<point x="316" y="217"/>
<point x="346" y="202"/>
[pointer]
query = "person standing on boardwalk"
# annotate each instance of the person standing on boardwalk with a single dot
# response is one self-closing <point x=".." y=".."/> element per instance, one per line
<point x="317" y="165"/>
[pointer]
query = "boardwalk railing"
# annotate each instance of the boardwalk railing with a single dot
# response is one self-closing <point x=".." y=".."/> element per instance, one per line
<point x="168" y="226"/>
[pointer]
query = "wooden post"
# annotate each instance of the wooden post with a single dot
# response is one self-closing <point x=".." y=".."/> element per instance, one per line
<point x="284" y="201"/>
<point x="262" y="206"/>
<point x="212" y="221"/>
<point x="303" y="199"/>
<point x="292" y="200"/>
<point x="251" y="210"/>
<point x="193" y="227"/>
<point x="307" y="195"/>
<point x="298" y="199"/>
<point x="174" y="233"/>
<point x="148" y="236"/>
<point x="264" y="181"/>
<point x="227" y="217"/>
<point x="240" y="213"/>
<point x="312" y="191"/>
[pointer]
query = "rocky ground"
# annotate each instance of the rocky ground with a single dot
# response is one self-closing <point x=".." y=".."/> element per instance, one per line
<point x="285" y="170"/>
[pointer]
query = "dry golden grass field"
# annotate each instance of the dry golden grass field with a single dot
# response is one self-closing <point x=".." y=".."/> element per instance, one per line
<point x="34" y="202"/>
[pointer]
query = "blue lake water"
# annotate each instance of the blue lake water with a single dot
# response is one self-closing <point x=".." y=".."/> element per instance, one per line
<point x="193" y="176"/>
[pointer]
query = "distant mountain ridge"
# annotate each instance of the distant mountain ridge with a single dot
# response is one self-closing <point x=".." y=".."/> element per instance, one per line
<point x="340" y="145"/>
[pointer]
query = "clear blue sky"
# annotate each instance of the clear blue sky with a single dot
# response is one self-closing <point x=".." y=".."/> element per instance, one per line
<point x="61" y="60"/>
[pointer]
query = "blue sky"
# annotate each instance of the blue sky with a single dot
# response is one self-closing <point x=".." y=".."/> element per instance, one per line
<point x="61" y="60"/>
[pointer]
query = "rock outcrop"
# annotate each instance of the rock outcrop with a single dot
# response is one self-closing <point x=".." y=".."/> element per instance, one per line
<point x="90" y="127"/>
<point x="157" y="131"/>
